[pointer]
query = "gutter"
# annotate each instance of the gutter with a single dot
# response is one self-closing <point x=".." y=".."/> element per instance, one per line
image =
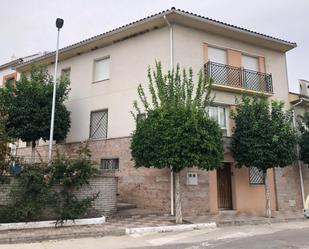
<point x="171" y="38"/>
<point x="301" y="100"/>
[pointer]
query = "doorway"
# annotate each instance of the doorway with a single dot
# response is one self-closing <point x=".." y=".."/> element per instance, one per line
<point x="224" y="187"/>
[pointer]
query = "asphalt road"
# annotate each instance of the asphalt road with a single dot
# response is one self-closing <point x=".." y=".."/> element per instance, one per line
<point x="283" y="235"/>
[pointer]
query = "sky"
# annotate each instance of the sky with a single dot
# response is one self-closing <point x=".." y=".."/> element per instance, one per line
<point x="27" y="27"/>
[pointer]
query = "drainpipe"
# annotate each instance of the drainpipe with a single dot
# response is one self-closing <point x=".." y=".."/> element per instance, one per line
<point x="297" y="152"/>
<point x="171" y="68"/>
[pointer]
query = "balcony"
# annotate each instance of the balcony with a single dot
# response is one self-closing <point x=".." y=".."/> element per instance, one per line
<point x="237" y="79"/>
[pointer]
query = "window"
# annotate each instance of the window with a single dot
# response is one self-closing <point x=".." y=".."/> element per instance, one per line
<point x="101" y="69"/>
<point x="110" y="164"/>
<point x="217" y="55"/>
<point x="251" y="78"/>
<point x="29" y="144"/>
<point x="219" y="114"/>
<point x="250" y="62"/>
<point x="66" y="73"/>
<point x="98" y="124"/>
<point x="256" y="176"/>
<point x="10" y="81"/>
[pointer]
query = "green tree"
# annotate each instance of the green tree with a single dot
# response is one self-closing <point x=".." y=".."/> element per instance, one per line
<point x="263" y="137"/>
<point x="174" y="130"/>
<point x="27" y="105"/>
<point x="304" y="137"/>
<point x="3" y="147"/>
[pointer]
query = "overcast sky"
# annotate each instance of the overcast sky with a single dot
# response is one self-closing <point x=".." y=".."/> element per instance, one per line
<point x="27" y="27"/>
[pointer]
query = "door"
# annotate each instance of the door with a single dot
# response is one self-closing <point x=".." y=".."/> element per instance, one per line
<point x="224" y="187"/>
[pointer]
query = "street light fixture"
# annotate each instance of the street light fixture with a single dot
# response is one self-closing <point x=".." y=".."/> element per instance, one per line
<point x="59" y="25"/>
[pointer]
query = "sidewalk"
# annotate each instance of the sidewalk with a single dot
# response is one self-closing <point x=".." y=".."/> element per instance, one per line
<point x="233" y="218"/>
<point x="117" y="226"/>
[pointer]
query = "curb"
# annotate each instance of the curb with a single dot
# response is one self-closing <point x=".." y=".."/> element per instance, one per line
<point x="174" y="228"/>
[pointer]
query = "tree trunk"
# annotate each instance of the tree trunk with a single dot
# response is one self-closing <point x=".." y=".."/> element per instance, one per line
<point x="178" y="199"/>
<point x="267" y="195"/>
<point x="33" y="151"/>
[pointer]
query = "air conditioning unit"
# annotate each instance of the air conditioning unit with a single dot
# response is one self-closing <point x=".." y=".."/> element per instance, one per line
<point x="304" y="87"/>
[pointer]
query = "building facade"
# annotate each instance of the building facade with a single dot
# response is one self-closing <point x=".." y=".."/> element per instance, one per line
<point x="105" y="71"/>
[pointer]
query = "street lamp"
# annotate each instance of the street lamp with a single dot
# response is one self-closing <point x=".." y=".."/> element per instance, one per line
<point x="59" y="24"/>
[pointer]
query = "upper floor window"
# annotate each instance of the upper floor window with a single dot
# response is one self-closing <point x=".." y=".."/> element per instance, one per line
<point x="98" y="124"/>
<point x="66" y="72"/>
<point x="101" y="69"/>
<point x="250" y="62"/>
<point x="10" y="81"/>
<point x="219" y="114"/>
<point x="217" y="55"/>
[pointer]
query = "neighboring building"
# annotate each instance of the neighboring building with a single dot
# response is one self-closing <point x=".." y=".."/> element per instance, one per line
<point x="8" y="73"/>
<point x="105" y="71"/>
<point x="300" y="105"/>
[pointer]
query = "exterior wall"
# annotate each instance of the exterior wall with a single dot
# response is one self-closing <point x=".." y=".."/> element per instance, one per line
<point x="4" y="73"/>
<point x="105" y="204"/>
<point x="190" y="52"/>
<point x="129" y="61"/>
<point x="248" y="197"/>
<point x="288" y="188"/>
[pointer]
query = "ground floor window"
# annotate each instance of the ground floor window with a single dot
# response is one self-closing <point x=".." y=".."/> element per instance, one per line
<point x="110" y="164"/>
<point x="256" y="176"/>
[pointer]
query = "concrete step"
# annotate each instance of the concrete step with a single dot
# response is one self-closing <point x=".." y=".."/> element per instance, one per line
<point x="125" y="206"/>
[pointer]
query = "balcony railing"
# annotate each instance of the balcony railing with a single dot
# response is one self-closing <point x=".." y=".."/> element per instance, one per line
<point x="237" y="77"/>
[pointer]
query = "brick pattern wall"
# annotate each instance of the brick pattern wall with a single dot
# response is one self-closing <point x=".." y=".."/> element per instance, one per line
<point x="288" y="188"/>
<point x="105" y="204"/>
<point x="5" y="191"/>
<point x="150" y="188"/>
<point x="195" y="198"/>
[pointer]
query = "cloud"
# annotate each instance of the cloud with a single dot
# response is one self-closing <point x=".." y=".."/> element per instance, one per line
<point x="29" y="26"/>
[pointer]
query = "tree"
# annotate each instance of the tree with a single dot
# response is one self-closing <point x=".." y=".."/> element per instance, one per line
<point x="3" y="147"/>
<point x="28" y="103"/>
<point x="304" y="137"/>
<point x="263" y="138"/>
<point x="175" y="131"/>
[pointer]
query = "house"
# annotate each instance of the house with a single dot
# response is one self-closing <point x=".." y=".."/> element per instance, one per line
<point x="105" y="71"/>
<point x="8" y="74"/>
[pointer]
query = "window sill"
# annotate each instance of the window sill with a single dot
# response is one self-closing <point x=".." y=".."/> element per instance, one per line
<point x="99" y="81"/>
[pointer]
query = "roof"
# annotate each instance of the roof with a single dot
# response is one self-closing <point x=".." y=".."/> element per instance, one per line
<point x="20" y="60"/>
<point x="175" y="16"/>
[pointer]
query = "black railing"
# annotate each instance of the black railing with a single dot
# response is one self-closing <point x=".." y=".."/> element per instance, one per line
<point x="237" y="77"/>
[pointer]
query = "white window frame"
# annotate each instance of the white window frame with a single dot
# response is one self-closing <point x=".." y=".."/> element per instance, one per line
<point x="227" y="114"/>
<point x="94" y="80"/>
<point x="90" y="127"/>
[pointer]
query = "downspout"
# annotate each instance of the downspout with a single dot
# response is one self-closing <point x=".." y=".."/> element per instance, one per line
<point x="171" y="68"/>
<point x="297" y="152"/>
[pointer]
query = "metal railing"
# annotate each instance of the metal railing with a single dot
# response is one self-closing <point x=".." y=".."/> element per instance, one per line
<point x="238" y="77"/>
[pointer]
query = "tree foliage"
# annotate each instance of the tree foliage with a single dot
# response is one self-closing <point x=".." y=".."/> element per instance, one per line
<point x="43" y="192"/>
<point x="176" y="130"/>
<point x="263" y="137"/>
<point x="304" y="137"/>
<point x="28" y="103"/>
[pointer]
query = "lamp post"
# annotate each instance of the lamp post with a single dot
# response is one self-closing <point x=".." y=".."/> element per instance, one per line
<point x="59" y="24"/>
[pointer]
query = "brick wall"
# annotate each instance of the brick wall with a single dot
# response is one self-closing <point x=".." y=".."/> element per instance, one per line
<point x="105" y="204"/>
<point x="288" y="188"/>
<point x="150" y="188"/>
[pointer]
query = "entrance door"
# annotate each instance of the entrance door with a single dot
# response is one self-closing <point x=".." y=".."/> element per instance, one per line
<point x="224" y="187"/>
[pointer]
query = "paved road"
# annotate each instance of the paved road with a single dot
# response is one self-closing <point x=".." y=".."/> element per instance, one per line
<point x="283" y="235"/>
